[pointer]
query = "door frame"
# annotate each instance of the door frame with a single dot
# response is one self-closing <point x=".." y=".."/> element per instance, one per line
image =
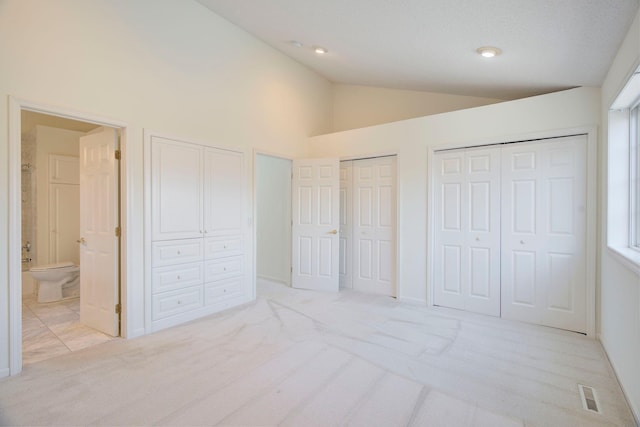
<point x="591" y="209"/>
<point x="16" y="105"/>
<point x="398" y="282"/>
<point x="259" y="152"/>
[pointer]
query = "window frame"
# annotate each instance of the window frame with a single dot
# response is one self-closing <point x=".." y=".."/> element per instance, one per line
<point x="634" y="177"/>
<point x="623" y="176"/>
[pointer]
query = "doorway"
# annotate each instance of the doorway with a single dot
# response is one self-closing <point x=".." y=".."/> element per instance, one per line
<point x="279" y="250"/>
<point x="273" y="218"/>
<point x="45" y="191"/>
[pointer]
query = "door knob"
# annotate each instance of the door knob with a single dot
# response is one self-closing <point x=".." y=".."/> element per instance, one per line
<point x="522" y="242"/>
<point x="333" y="232"/>
<point x="81" y="240"/>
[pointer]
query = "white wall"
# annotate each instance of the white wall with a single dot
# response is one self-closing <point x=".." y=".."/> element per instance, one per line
<point x="359" y="106"/>
<point x="273" y="218"/>
<point x="167" y="65"/>
<point x="543" y="115"/>
<point x="620" y="286"/>
<point x="49" y="141"/>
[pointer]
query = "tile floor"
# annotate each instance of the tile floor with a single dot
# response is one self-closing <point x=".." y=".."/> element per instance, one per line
<point x="303" y="358"/>
<point x="53" y="329"/>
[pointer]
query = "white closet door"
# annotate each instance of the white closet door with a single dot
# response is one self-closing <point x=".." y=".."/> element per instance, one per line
<point x="316" y="218"/>
<point x="543" y="232"/>
<point x="467" y="230"/>
<point x="223" y="192"/>
<point x="374" y="225"/>
<point x="176" y="190"/>
<point x="346" y="211"/>
<point x="482" y="263"/>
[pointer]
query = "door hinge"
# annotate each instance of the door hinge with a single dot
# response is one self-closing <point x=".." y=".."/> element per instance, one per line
<point x="118" y="308"/>
<point x="117" y="153"/>
<point x="117" y="231"/>
<point x="292" y="269"/>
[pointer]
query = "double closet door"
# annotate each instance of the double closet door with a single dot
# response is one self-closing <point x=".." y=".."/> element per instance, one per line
<point x="510" y="231"/>
<point x="368" y="225"/>
<point x="197" y="242"/>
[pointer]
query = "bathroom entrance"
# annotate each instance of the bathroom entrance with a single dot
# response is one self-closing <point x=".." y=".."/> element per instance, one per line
<point x="70" y="235"/>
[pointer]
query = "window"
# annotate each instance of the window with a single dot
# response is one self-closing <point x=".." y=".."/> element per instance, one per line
<point x="634" y="178"/>
<point x="623" y="177"/>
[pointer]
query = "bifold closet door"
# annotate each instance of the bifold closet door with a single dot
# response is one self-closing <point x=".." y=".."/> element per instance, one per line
<point x="543" y="232"/>
<point x="467" y="230"/>
<point x="374" y="225"/>
<point x="346" y="211"/>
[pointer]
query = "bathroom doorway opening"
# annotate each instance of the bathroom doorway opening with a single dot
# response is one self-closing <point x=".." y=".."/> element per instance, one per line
<point x="69" y="215"/>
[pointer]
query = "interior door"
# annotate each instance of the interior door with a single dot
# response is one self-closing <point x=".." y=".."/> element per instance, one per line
<point x="543" y="232"/>
<point x="346" y="222"/>
<point x="467" y="230"/>
<point x="99" y="245"/>
<point x="374" y="225"/>
<point x="315" y="217"/>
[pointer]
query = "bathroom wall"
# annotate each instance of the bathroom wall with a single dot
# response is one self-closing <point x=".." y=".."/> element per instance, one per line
<point x="28" y="198"/>
<point x="48" y="141"/>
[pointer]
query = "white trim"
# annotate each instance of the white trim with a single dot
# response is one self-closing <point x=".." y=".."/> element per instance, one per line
<point x="591" y="224"/>
<point x="630" y="258"/>
<point x="16" y="105"/>
<point x="372" y="155"/>
<point x="146" y="155"/>
<point x="272" y="279"/>
<point x="515" y="138"/>
<point x="635" y="412"/>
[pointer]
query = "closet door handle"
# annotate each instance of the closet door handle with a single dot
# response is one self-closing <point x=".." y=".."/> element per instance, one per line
<point x="333" y="232"/>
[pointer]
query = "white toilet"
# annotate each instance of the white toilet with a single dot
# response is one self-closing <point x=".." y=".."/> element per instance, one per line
<point x="57" y="281"/>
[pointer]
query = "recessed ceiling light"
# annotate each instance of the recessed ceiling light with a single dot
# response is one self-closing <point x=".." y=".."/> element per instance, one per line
<point x="295" y="43"/>
<point x="489" y="51"/>
<point x="320" y="50"/>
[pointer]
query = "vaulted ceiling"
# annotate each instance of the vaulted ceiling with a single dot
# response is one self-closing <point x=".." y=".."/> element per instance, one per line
<point x="430" y="45"/>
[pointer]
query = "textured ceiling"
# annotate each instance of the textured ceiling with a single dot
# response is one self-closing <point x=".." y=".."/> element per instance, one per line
<point x="430" y="45"/>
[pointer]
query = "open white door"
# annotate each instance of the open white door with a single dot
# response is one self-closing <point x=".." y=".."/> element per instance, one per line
<point x="316" y="216"/>
<point x="99" y="256"/>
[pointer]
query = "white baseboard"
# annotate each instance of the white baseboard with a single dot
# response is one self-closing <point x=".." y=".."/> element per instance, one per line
<point x="4" y="372"/>
<point x="273" y="279"/>
<point x="135" y="333"/>
<point x="634" y="411"/>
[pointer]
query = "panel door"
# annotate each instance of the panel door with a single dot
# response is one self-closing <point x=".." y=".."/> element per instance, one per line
<point x="99" y="246"/>
<point x="467" y="230"/>
<point x="316" y="219"/>
<point x="374" y="225"/>
<point x="176" y="190"/>
<point x="223" y="192"/>
<point x="346" y="237"/>
<point x="543" y="232"/>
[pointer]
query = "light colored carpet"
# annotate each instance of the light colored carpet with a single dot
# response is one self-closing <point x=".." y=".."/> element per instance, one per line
<point x="300" y="358"/>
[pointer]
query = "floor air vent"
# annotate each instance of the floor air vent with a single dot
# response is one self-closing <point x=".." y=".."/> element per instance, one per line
<point x="589" y="398"/>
